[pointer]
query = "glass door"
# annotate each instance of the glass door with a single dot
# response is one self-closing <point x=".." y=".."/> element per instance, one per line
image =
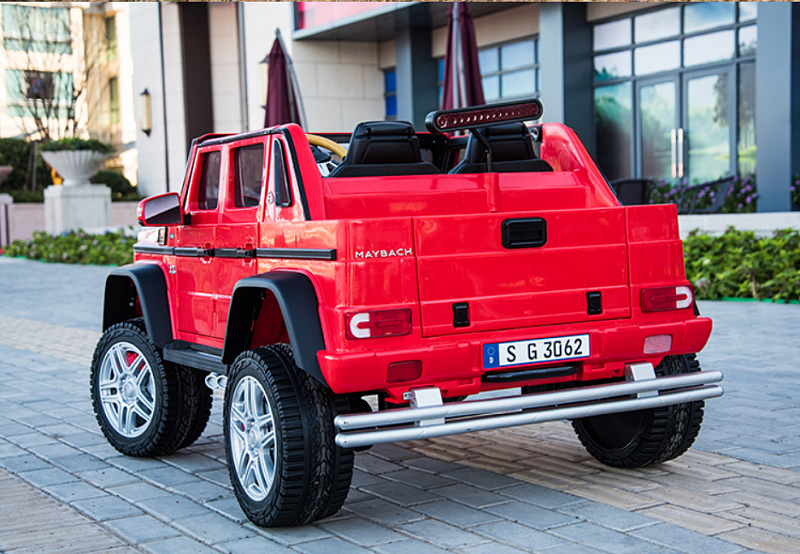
<point x="708" y="101"/>
<point x="658" y="128"/>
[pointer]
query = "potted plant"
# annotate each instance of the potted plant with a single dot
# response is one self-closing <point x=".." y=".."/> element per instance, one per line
<point x="76" y="159"/>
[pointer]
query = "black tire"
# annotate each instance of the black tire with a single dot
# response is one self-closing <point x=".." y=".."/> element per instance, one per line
<point x="646" y="437"/>
<point x="284" y="464"/>
<point x="197" y="401"/>
<point x="166" y="391"/>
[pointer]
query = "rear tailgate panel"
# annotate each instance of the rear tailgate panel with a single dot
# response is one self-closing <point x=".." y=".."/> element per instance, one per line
<point x="462" y="259"/>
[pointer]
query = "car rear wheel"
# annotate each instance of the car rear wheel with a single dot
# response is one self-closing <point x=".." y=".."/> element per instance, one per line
<point x="645" y="437"/>
<point x="279" y="438"/>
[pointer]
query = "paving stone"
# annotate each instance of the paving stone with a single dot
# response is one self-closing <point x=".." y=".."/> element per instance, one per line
<point x="392" y="452"/>
<point x="80" y="462"/>
<point x="70" y="492"/>
<point x="254" y="545"/>
<point x="420" y="479"/>
<point x="139" y="529"/>
<point x="27" y="440"/>
<point x="608" y="516"/>
<point x="532" y="516"/>
<point x="136" y="464"/>
<point x="383" y="512"/>
<point x="374" y="465"/>
<point x="361" y="532"/>
<point x="294" y="535"/>
<point x="707" y="524"/>
<point x="683" y="540"/>
<point x="136" y="492"/>
<point x="601" y="538"/>
<point x="202" y="491"/>
<point x="168" y="476"/>
<point x="573" y="548"/>
<point x="25" y="462"/>
<point x="456" y="514"/>
<point x="482" y="479"/>
<point x="107" y="477"/>
<point x="494" y="548"/>
<point x="329" y="546"/>
<point x="472" y="496"/>
<point x="213" y="528"/>
<point x="540" y="496"/>
<point x="51" y="476"/>
<point x="432" y="465"/>
<point x="229" y="507"/>
<point x="409" y="546"/>
<point x="178" y="545"/>
<point x="221" y="477"/>
<point x="761" y="540"/>
<point x="441" y="534"/>
<point x="172" y="507"/>
<point x="362" y="479"/>
<point x="399" y="493"/>
<point x="192" y="462"/>
<point x="85" y="439"/>
<point x="518" y="536"/>
<point x="355" y="495"/>
<point x="106" y="507"/>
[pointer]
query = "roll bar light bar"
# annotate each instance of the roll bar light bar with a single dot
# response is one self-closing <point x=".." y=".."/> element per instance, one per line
<point x="462" y="119"/>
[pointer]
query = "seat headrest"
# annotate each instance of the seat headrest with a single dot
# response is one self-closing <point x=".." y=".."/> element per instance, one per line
<point x="384" y="142"/>
<point x="510" y="142"/>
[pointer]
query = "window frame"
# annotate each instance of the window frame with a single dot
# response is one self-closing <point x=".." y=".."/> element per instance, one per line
<point x="535" y="66"/>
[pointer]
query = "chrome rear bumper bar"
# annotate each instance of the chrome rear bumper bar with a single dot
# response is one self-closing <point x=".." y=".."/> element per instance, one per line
<point x="358" y="430"/>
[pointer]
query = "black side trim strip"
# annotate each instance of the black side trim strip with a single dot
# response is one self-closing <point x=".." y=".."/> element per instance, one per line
<point x="530" y="374"/>
<point x="158" y="250"/>
<point x="194" y="252"/>
<point x="234" y="253"/>
<point x="296" y="254"/>
<point x="185" y="353"/>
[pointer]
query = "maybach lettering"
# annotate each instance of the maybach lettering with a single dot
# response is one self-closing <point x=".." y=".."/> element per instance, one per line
<point x="508" y="265"/>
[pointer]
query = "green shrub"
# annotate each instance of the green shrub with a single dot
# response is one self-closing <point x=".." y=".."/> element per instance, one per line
<point x="76" y="247"/>
<point x="121" y="188"/>
<point x="74" y="143"/>
<point x="739" y="264"/>
<point x="16" y="153"/>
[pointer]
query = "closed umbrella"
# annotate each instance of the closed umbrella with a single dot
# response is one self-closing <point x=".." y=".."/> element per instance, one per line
<point x="462" y="75"/>
<point x="284" y="104"/>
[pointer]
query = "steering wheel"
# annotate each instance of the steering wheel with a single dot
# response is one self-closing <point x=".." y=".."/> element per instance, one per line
<point x="327" y="144"/>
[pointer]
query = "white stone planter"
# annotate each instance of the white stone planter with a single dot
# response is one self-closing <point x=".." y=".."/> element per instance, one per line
<point x="75" y="166"/>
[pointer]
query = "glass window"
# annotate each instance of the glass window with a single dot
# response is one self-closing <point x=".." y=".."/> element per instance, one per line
<point x="516" y="55"/>
<point x="708" y="127"/>
<point x="748" y="11"/>
<point x="489" y="60"/>
<point x="509" y="71"/>
<point x="111" y="39"/>
<point x="657" y="25"/>
<point x="614" y="125"/>
<point x="658" y="57"/>
<point x="34" y="29"/>
<point x="249" y="175"/>
<point x="707" y="15"/>
<point x="113" y="100"/>
<point x="709" y="48"/>
<point x="208" y="194"/>
<point x="390" y="93"/>
<point x="283" y="193"/>
<point x="747" y="119"/>
<point x="612" y="66"/>
<point x="612" y="35"/>
<point x="657" y="105"/>
<point x="748" y="40"/>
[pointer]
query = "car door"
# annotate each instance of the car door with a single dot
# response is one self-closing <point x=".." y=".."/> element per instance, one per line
<point x="237" y="232"/>
<point x="195" y="277"/>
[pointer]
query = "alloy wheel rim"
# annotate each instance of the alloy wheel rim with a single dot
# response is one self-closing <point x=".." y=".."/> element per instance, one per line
<point x="252" y="438"/>
<point x="127" y="390"/>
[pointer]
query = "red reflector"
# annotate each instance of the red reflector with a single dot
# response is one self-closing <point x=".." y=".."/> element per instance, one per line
<point x="467" y="118"/>
<point x="383" y="323"/>
<point x="667" y="298"/>
<point x="657" y="344"/>
<point x="400" y="372"/>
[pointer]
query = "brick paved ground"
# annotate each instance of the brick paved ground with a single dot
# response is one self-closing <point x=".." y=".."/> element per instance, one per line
<point x="527" y="489"/>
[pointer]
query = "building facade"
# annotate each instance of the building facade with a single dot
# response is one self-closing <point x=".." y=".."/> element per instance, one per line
<point x="66" y="70"/>
<point x="677" y="91"/>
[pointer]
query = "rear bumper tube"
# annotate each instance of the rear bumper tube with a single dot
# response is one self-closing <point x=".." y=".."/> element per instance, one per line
<point x="367" y="429"/>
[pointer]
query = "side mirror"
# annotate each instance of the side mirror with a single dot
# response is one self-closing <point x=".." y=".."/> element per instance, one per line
<point x="157" y="211"/>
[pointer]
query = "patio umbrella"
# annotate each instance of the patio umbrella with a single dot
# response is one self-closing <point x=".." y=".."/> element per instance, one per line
<point x="462" y="75"/>
<point x="284" y="104"/>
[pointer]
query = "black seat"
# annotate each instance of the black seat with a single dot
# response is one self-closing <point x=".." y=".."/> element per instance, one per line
<point x="381" y="148"/>
<point x="512" y="151"/>
<point x="632" y="192"/>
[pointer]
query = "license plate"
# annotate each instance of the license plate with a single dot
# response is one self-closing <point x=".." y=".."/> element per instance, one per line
<point x="527" y="352"/>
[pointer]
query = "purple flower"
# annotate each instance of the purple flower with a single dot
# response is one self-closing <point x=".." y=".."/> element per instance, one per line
<point x="749" y="199"/>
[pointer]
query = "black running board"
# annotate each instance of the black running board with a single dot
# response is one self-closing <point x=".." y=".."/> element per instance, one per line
<point x="191" y="355"/>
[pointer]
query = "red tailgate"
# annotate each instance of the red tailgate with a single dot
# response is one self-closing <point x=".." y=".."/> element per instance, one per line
<point x="462" y="259"/>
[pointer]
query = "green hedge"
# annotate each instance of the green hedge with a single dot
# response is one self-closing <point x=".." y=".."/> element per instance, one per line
<point x="738" y="264"/>
<point x="16" y="152"/>
<point x="76" y="247"/>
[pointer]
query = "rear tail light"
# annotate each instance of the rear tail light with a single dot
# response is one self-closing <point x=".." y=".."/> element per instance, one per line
<point x="667" y="298"/>
<point x="383" y="323"/>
